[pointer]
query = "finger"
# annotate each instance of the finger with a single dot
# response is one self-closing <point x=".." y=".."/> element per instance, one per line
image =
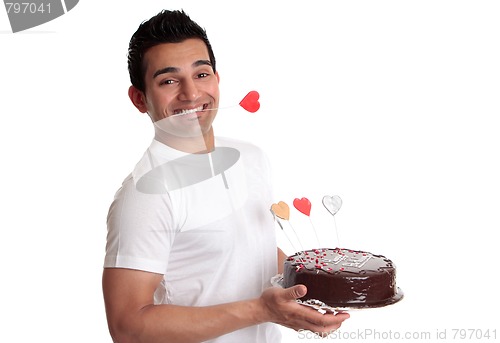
<point x="342" y="316"/>
<point x="322" y="329"/>
<point x="317" y="323"/>
<point x="330" y="321"/>
<point x="319" y="330"/>
<point x="295" y="292"/>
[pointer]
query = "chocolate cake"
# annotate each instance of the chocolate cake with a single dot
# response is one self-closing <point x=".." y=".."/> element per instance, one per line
<point x="343" y="277"/>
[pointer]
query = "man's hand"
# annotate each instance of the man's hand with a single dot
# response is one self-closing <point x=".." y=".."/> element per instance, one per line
<point x="282" y="309"/>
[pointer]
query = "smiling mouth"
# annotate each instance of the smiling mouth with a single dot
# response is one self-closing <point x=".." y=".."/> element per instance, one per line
<point x="184" y="112"/>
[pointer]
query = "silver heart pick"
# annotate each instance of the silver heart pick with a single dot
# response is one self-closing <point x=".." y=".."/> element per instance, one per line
<point x="332" y="203"/>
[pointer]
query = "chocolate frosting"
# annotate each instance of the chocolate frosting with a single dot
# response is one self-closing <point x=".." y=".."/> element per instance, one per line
<point x="343" y="277"/>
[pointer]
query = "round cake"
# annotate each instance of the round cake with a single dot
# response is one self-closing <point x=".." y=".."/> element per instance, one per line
<point x="343" y="277"/>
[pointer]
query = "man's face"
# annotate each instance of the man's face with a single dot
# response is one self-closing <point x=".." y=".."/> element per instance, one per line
<point x="181" y="88"/>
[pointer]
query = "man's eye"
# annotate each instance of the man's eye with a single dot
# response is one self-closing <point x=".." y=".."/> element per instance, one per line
<point x="202" y="75"/>
<point x="167" y="82"/>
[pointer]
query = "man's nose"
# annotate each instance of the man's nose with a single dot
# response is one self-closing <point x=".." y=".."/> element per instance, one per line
<point x="189" y="91"/>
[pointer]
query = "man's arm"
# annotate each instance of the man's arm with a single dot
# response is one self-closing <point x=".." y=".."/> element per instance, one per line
<point x="132" y="316"/>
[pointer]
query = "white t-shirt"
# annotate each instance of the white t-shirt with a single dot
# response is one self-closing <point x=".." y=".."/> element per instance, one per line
<point x="203" y="221"/>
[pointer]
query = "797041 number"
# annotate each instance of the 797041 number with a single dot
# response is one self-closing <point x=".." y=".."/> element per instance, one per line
<point x="476" y="334"/>
<point x="27" y="7"/>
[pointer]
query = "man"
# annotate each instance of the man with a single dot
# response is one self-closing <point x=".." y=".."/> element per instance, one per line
<point x="191" y="246"/>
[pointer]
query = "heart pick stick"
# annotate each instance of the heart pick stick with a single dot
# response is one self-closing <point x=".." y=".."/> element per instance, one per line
<point x="250" y="103"/>
<point x="333" y="204"/>
<point x="282" y="211"/>
<point x="304" y="206"/>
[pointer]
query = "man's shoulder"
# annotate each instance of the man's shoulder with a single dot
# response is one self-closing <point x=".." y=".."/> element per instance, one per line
<point x="132" y="195"/>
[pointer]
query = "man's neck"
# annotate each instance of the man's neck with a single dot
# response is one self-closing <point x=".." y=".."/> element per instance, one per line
<point x="195" y="145"/>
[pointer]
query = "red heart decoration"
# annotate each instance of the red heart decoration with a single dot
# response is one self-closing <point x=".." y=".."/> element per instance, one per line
<point x="303" y="205"/>
<point x="251" y="102"/>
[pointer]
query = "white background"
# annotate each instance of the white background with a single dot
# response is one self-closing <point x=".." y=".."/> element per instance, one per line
<point x="392" y="105"/>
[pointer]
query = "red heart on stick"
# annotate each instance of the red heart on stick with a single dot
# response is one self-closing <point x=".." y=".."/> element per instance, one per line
<point x="303" y="205"/>
<point x="251" y="102"/>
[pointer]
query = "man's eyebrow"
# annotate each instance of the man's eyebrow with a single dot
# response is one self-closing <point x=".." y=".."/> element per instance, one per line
<point x="165" y="71"/>
<point x="201" y="63"/>
<point x="176" y="70"/>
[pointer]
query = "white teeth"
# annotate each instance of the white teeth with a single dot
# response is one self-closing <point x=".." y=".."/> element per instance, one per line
<point x="194" y="110"/>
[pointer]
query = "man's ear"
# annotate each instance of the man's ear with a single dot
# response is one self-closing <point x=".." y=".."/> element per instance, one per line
<point x="138" y="99"/>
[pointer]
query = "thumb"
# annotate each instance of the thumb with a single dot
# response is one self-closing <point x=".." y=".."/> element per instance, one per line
<point x="295" y="292"/>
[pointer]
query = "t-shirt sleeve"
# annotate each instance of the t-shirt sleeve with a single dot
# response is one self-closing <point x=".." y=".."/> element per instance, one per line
<point x="140" y="230"/>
